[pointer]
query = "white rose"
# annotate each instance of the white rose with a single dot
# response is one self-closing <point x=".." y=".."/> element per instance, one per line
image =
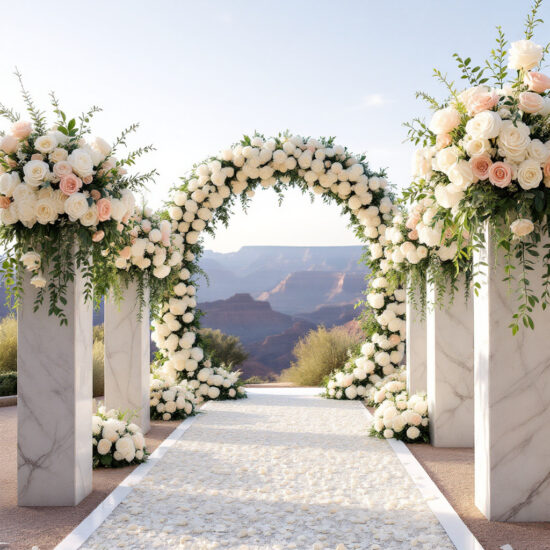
<point x="446" y="158"/>
<point x="118" y="209"/>
<point x="101" y="146"/>
<point x="161" y="271"/>
<point x="104" y="446"/>
<point x="25" y="209"/>
<point x="413" y="432"/>
<point x="8" y="183"/>
<point x="76" y="206"/>
<point x="484" y="125"/>
<point x="529" y="174"/>
<point x="477" y="146"/>
<point x="35" y="172"/>
<point x="38" y="281"/>
<point x="90" y="217"/>
<point x="351" y="392"/>
<point x="45" y="144"/>
<point x="524" y="55"/>
<point x="81" y="163"/>
<point x="538" y="151"/>
<point x="461" y="175"/>
<point x="522" y="227"/>
<point x="448" y="196"/>
<point x="444" y="120"/>
<point x="513" y="140"/>
<point x="45" y="211"/>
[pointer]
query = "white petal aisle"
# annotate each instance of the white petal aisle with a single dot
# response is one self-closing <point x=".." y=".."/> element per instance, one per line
<point x="275" y="471"/>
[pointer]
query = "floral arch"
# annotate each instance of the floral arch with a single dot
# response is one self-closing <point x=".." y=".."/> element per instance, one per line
<point x="205" y="198"/>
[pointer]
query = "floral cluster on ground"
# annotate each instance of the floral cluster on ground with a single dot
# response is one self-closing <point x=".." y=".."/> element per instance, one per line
<point x="116" y="441"/>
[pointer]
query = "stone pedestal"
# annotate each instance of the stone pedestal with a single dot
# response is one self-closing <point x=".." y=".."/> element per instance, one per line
<point x="512" y="400"/>
<point x="127" y="356"/>
<point x="416" y="346"/>
<point x="450" y="370"/>
<point x="54" y="409"/>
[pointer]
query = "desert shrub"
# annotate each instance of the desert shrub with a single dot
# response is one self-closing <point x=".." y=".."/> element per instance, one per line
<point x="8" y="383"/>
<point x="224" y="349"/>
<point x="318" y="353"/>
<point x="98" y="365"/>
<point x="8" y="344"/>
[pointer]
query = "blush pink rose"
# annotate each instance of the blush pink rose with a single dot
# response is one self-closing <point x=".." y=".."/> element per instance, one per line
<point x="21" y="129"/>
<point x="37" y="156"/>
<point x="88" y="179"/>
<point x="482" y="101"/>
<point x="530" y="102"/>
<point x="546" y="170"/>
<point x="95" y="194"/>
<point x="5" y="202"/>
<point x="480" y="166"/>
<point x="412" y="221"/>
<point x="126" y="252"/>
<point x="104" y="209"/>
<point x="500" y="174"/>
<point x="70" y="184"/>
<point x="98" y="236"/>
<point x="537" y="82"/>
<point x="62" y="168"/>
<point x="413" y="235"/>
<point x="9" y="144"/>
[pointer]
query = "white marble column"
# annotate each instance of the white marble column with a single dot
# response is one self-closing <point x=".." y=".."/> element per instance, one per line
<point x="512" y="401"/>
<point x="54" y="407"/>
<point x="450" y="370"/>
<point x="416" y="345"/>
<point x="127" y="355"/>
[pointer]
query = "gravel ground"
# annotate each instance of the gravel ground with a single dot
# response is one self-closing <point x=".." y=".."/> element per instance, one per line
<point x="280" y="472"/>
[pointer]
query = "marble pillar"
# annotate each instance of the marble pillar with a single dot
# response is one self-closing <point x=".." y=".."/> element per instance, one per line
<point x="450" y="370"/>
<point x="127" y="355"/>
<point x="512" y="399"/>
<point x="416" y="345"/>
<point x="54" y="407"/>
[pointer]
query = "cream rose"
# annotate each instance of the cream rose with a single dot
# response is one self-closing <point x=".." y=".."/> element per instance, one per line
<point x="484" y="125"/>
<point x="35" y="172"/>
<point x="530" y="102"/>
<point x="529" y="174"/>
<point x="45" y="144"/>
<point x="524" y="55"/>
<point x="522" y="227"/>
<point x="45" y="211"/>
<point x="81" y="163"/>
<point x="90" y="217"/>
<point x="445" y="120"/>
<point x="8" y="183"/>
<point x="76" y="206"/>
<point x="513" y="140"/>
<point x="58" y="155"/>
<point x="461" y="175"/>
<point x="446" y="158"/>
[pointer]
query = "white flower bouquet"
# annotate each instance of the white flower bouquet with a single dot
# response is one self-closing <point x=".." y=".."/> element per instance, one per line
<point x="171" y="401"/>
<point x="387" y="388"/>
<point x="116" y="442"/>
<point x="402" y="417"/>
<point x="59" y="188"/>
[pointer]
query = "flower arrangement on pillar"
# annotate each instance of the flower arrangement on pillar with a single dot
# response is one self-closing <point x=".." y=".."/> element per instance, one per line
<point x="486" y="155"/>
<point x="62" y="196"/>
<point x="116" y="441"/>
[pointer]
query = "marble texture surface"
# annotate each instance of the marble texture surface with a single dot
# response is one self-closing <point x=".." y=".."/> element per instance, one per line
<point x="54" y="410"/>
<point x="416" y="346"/>
<point x="512" y="401"/>
<point x="450" y="374"/>
<point x="275" y="472"/>
<point x="127" y="356"/>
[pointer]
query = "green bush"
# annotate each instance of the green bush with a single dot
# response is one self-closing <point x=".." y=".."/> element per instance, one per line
<point x="98" y="368"/>
<point x="319" y="353"/>
<point x="8" y="383"/>
<point x="224" y="349"/>
<point x="8" y="344"/>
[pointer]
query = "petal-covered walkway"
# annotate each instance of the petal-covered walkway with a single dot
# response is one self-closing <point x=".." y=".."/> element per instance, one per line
<point x="275" y="471"/>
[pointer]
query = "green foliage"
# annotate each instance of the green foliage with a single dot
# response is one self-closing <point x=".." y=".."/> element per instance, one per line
<point x="98" y="353"/>
<point x="224" y="349"/>
<point x="318" y="354"/>
<point x="8" y="344"/>
<point x="8" y="383"/>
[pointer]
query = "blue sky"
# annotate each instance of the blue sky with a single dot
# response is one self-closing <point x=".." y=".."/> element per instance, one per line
<point x="198" y="75"/>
